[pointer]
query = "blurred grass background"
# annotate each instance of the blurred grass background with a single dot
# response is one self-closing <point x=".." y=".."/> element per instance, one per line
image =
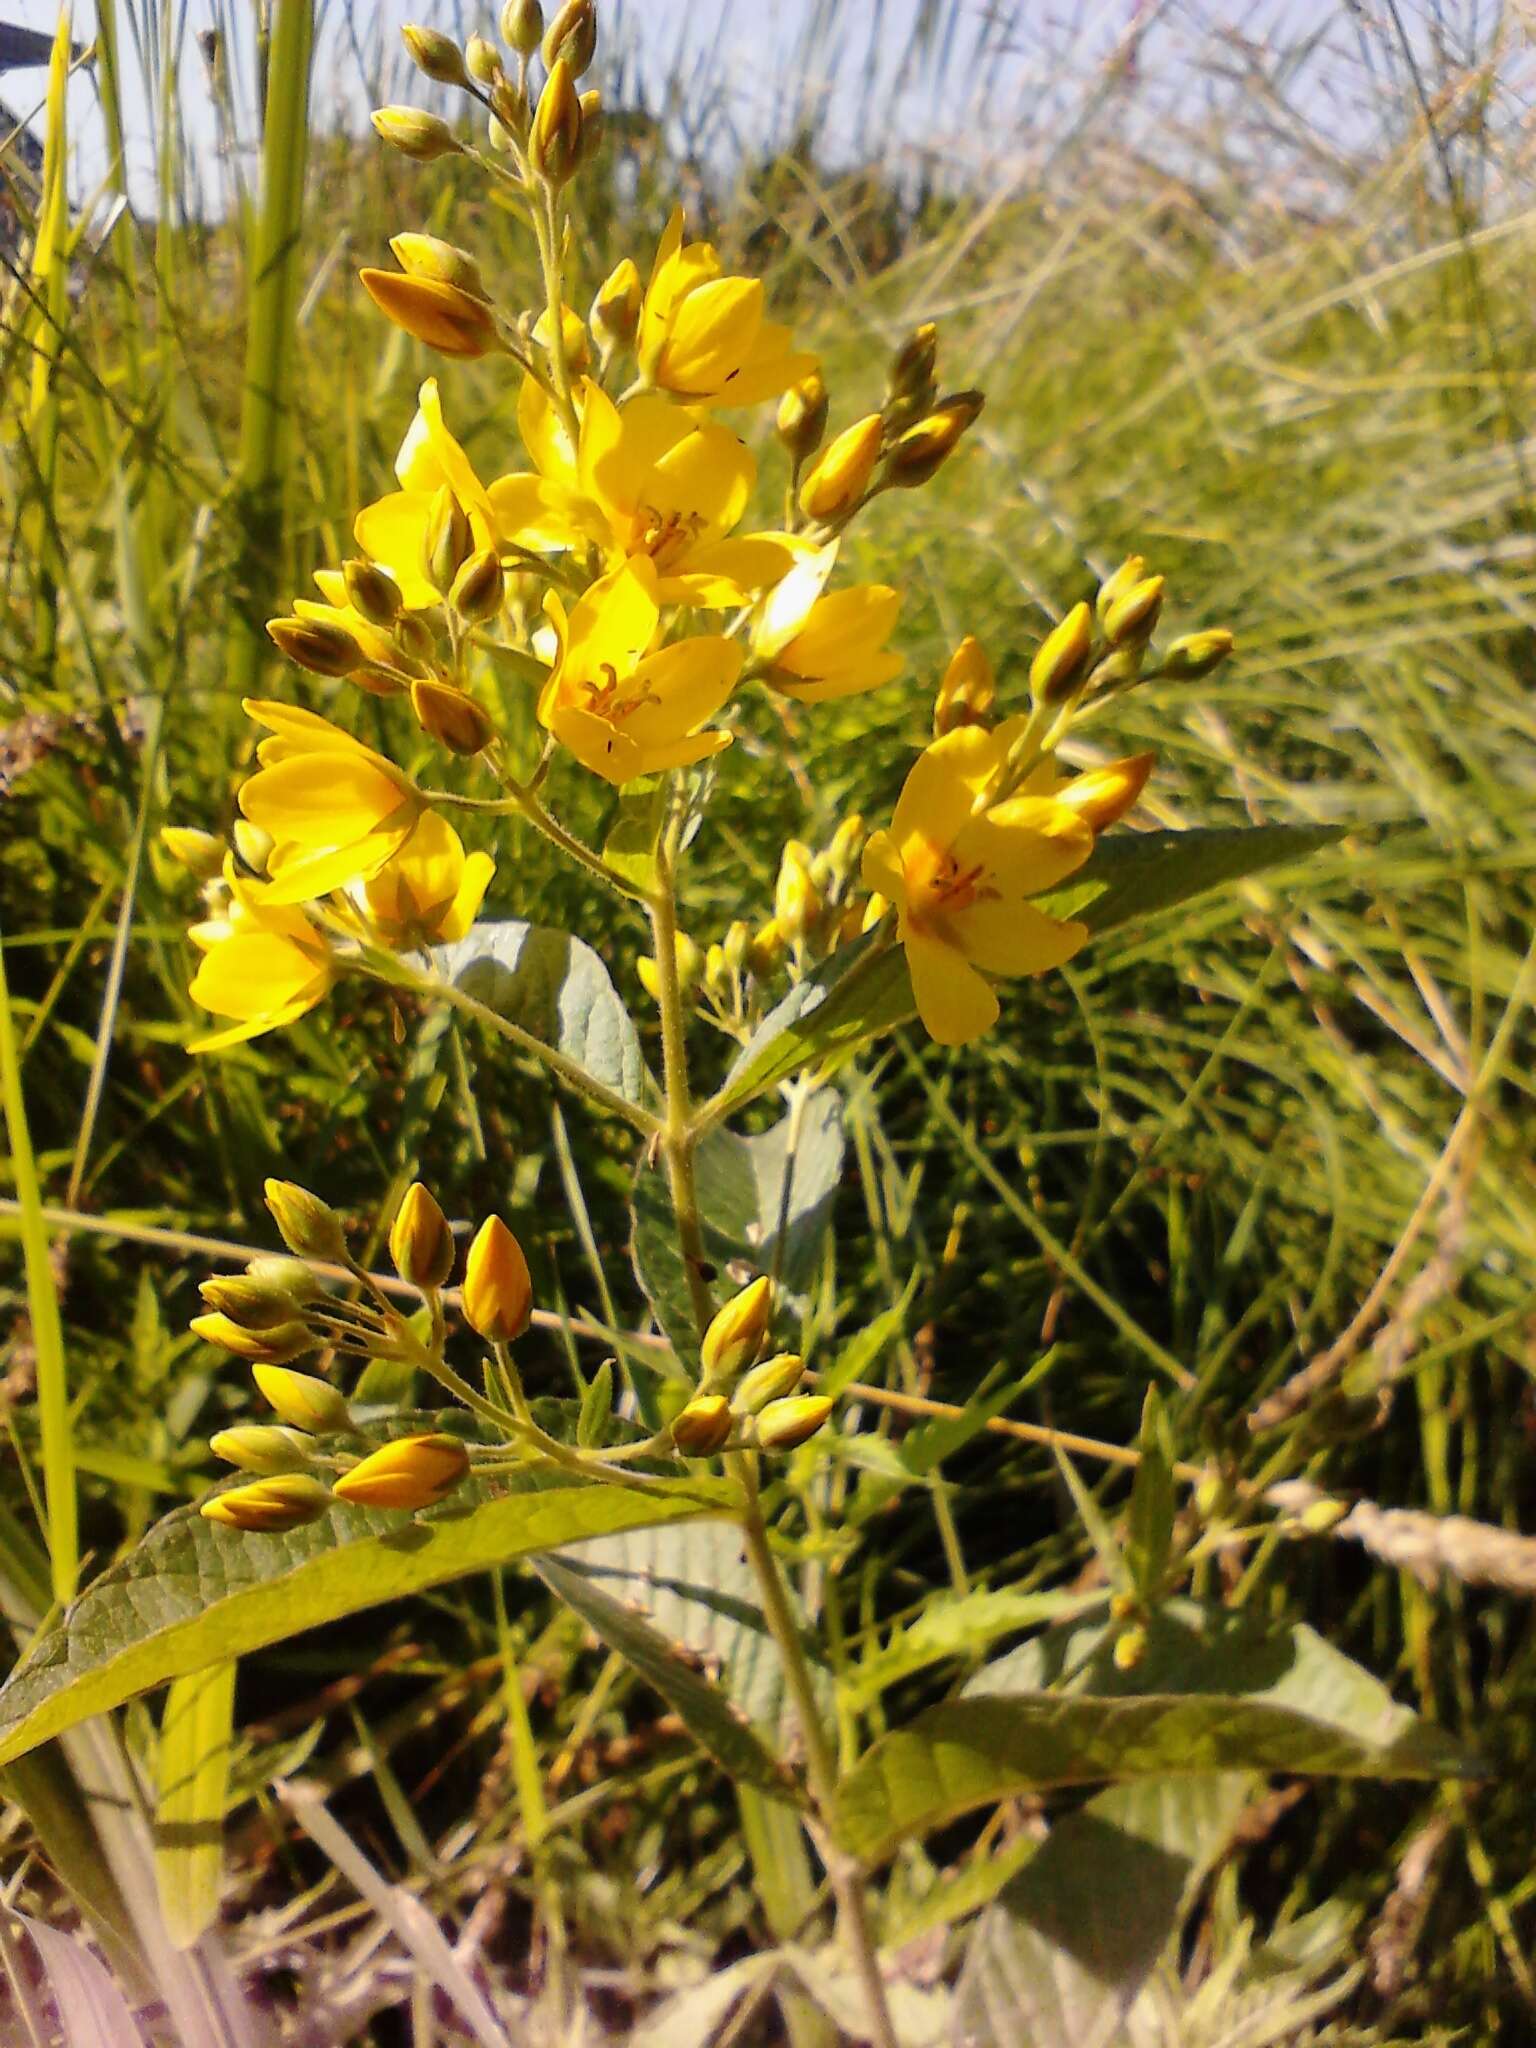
<point x="1255" y="306"/>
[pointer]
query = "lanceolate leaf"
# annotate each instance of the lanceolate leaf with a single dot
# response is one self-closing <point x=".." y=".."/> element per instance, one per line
<point x="556" y="987"/>
<point x="1214" y="1693"/>
<point x="193" y="1593"/>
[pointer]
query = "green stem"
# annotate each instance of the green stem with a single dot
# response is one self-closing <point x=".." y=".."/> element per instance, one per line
<point x="546" y="224"/>
<point x="677" y="1132"/>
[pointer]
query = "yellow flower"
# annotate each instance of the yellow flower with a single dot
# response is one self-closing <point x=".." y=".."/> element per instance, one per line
<point x="337" y="811"/>
<point x="959" y="877"/>
<point x="262" y="966"/>
<point x="431" y="891"/>
<point x="819" y="647"/>
<point x="644" y="479"/>
<point x="703" y="336"/>
<point x="622" y="710"/>
<point x="391" y="530"/>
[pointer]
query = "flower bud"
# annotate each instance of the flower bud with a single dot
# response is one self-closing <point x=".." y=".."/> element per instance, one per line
<point x="1130" y="1647"/>
<point x="1130" y="572"/>
<point x="594" y="124"/>
<point x="1130" y="620"/>
<point x="616" y="309"/>
<point x="573" y="338"/>
<point x="309" y="1227"/>
<point x="919" y="453"/>
<point x="262" y="1447"/>
<point x="785" y="1425"/>
<point x="1061" y="661"/>
<point x="702" y="1427"/>
<point x="450" y="716"/>
<point x="874" y="911"/>
<point x="439" y="56"/>
<point x="252" y="1303"/>
<point x="554" y="143"/>
<point x="324" y="649"/>
<point x="252" y="844"/>
<point x="287" y="1276"/>
<point x="481" y="61"/>
<point x="766" y="950"/>
<point x="717" y="976"/>
<point x="571" y="37"/>
<point x="479" y="588"/>
<point x="446" y="539"/>
<point x="302" y="1400"/>
<point x="445" y="316"/>
<point x="1319" y="1516"/>
<point x="522" y="24"/>
<point x="1119" y="669"/>
<point x="415" y="640"/>
<point x="269" y="1507"/>
<point x="842" y="473"/>
<point x="1104" y="795"/>
<point x="1197" y="654"/>
<point x="846" y="849"/>
<point x="497" y="1296"/>
<point x="445" y="262"/>
<point x="509" y="113"/>
<point x="411" y="1472"/>
<point x="200" y="853"/>
<point x="371" y="591"/>
<point x="967" y="690"/>
<point x="768" y="1382"/>
<point x="796" y="899"/>
<point x="420" y="1242"/>
<point x="415" y="134"/>
<point x="802" y="417"/>
<point x="737" y="944"/>
<point x="736" y="1332"/>
<point x="271" y="1344"/>
<point x="910" y="375"/>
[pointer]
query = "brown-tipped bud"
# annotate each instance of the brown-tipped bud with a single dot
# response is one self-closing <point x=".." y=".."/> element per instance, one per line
<point x="252" y="1302"/>
<point x="453" y="321"/>
<point x="785" y="1425"/>
<point x="770" y="1381"/>
<point x="411" y="1472"/>
<point x="1119" y="669"/>
<point x="252" y="845"/>
<point x="439" y="56"/>
<point x="571" y="37"/>
<point x="736" y="1332"/>
<point x="303" y="1401"/>
<point x="269" y="1507"/>
<point x="445" y="262"/>
<point x="841" y="475"/>
<point x="316" y="644"/>
<point x="450" y="716"/>
<point x="1130" y="572"/>
<point x="1132" y="618"/>
<point x="288" y="1276"/>
<point x="522" y="24"/>
<point x="372" y="591"/>
<point x="1104" y="795"/>
<point x="482" y="61"/>
<point x="308" y="1226"/>
<point x="767" y="949"/>
<point x="616" y="309"/>
<point x="967" y="690"/>
<point x="446" y="540"/>
<point x="420" y="1242"/>
<point x="911" y="370"/>
<point x="702" y="1427"/>
<point x="554" y="141"/>
<point x="924" y="448"/>
<point x="414" y="638"/>
<point x="1197" y="654"/>
<point x="271" y="1345"/>
<point x="846" y="848"/>
<point x="200" y="853"/>
<point x="479" y="588"/>
<point x="262" y="1447"/>
<point x="509" y="113"/>
<point x="801" y="420"/>
<point x="737" y="944"/>
<point x="415" y="134"/>
<point x="1061" y="661"/>
<point x="497" y="1296"/>
<point x="797" y="901"/>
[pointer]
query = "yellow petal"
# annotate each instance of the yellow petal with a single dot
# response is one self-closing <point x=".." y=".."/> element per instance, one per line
<point x="615" y="621"/>
<point x="865" y="674"/>
<point x="390" y="532"/>
<point x="1029" y="843"/>
<point x="545" y="437"/>
<point x="253" y="1027"/>
<point x="1008" y="937"/>
<point x="881" y="869"/>
<point x="841" y="627"/>
<point x="259" y="971"/>
<point x="954" y="1002"/>
<point x="936" y="798"/>
<point x="687" y="683"/>
<point x="465" y="908"/>
<point x="602" y="747"/>
<point x="712" y="332"/>
<point x="791" y="602"/>
<point x="683" y="753"/>
<point x="309" y="876"/>
<point x="322" y="799"/>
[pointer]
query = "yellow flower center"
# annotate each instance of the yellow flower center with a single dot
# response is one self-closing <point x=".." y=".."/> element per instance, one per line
<point x="939" y="888"/>
<point x="606" y="700"/>
<point x="665" y="536"/>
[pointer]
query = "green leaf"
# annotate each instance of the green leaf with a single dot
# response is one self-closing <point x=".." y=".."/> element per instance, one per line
<point x="1065" y="1950"/>
<point x="554" y="986"/>
<point x="1135" y="874"/>
<point x="596" y="1408"/>
<point x="1216" y="1691"/>
<point x="861" y="991"/>
<point x="193" y="1787"/>
<point x="765" y="1205"/>
<point x="633" y="836"/>
<point x="867" y="1346"/>
<point x="705" y="1710"/>
<point x="954" y="1625"/>
<point x="1150" y="1538"/>
<point x="193" y="1593"/>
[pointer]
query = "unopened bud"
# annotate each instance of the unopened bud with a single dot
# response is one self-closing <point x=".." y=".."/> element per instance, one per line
<point x="874" y="911"/>
<point x="420" y="1242"/>
<point x="717" y="976"/>
<point x="303" y="1401"/>
<point x="702" y="1427"/>
<point x="736" y="1332"/>
<point x="291" y="1277"/>
<point x="767" y="949"/>
<point x="554" y="142"/>
<point x="737" y="944"/>
<point x="1130" y="1647"/>
<point x="200" y="853"/>
<point x="1119" y="669"/>
<point x="785" y="1425"/>
<point x="910" y="375"/>
<point x="842" y="473"/>
<point x="430" y="257"/>
<point x="481" y="61"/>
<point x="262" y="1447"/>
<point x="1130" y="572"/>
<point x="252" y="844"/>
<point x="967" y="691"/>
<point x="846" y="848"/>
<point x="479" y="588"/>
<point x="616" y="309"/>
<point x="316" y="644"/>
<point x="446" y="540"/>
<point x="1104" y="795"/>
<point x="1131" y="618"/>
<point x="269" y="1507"/>
<point x="415" y="134"/>
<point x="272" y="1344"/>
<point x="1209" y="1495"/>
<point x="414" y="638"/>
<point x="372" y="591"/>
<point x="450" y="716"/>
<point x="308" y="1226"/>
<point x="690" y="965"/>
<point x="571" y="37"/>
<point x="439" y="56"/>
<point x="796" y="899"/>
<point x="1197" y="654"/>
<point x="522" y="24"/>
<point x="445" y="316"/>
<point x="801" y="420"/>
<point x="1319" y="1516"/>
<point x="254" y="1304"/>
<point x="410" y="1472"/>
<point x="1061" y="660"/>
<point x="923" y="449"/>
<point x="497" y="1296"/>
<point x="770" y="1381"/>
